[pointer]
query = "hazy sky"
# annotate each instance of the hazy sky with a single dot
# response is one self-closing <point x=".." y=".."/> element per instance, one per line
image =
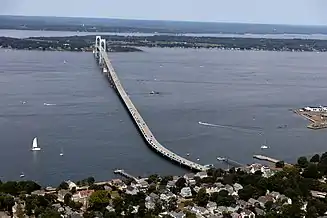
<point x="306" y="12"/>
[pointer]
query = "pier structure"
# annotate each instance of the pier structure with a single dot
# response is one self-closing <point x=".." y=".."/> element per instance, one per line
<point x="123" y="173"/>
<point x="268" y="159"/>
<point x="101" y="55"/>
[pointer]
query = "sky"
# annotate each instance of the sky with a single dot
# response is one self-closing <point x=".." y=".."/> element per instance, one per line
<point x="295" y="12"/>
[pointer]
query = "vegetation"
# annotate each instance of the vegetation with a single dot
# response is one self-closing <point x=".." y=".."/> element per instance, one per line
<point x="117" y="43"/>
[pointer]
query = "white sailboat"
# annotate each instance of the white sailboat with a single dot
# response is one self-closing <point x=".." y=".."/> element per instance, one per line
<point x="264" y="146"/>
<point x="35" y="145"/>
<point x="61" y="152"/>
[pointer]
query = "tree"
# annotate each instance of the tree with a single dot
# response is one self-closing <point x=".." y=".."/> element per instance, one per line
<point x="63" y="185"/>
<point x="153" y="178"/>
<point x="142" y="210"/>
<point x="201" y="198"/>
<point x="190" y="214"/>
<point x="247" y="192"/>
<point x="165" y="180"/>
<point x="50" y="212"/>
<point x="302" y="162"/>
<point x="118" y="205"/>
<point x="99" y="199"/>
<point x="90" y="180"/>
<point x="292" y="211"/>
<point x="311" y="171"/>
<point x="180" y="183"/>
<point x="315" y="158"/>
<point x="172" y="204"/>
<point x="67" y="199"/>
<point x="280" y="164"/>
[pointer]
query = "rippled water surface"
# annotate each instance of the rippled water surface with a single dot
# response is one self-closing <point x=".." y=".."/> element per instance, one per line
<point x="210" y="103"/>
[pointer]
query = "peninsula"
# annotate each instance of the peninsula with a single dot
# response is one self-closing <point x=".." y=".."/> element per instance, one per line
<point x="317" y="116"/>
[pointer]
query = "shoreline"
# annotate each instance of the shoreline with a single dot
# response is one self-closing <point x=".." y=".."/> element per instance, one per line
<point x="316" y="123"/>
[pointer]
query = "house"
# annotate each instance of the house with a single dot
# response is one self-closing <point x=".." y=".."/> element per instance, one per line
<point x="118" y="183"/>
<point x="200" y="211"/>
<point x="211" y="206"/>
<point x="38" y="192"/>
<point x="284" y="199"/>
<point x="229" y="188"/>
<point x="71" y="184"/>
<point x="235" y="215"/>
<point x="189" y="176"/>
<point x="247" y="214"/>
<point x="211" y="190"/>
<point x="173" y="214"/>
<point x="186" y="192"/>
<point x="82" y="196"/>
<point x="152" y="197"/>
<point x="4" y="215"/>
<point x="142" y="184"/>
<point x="252" y="202"/>
<point x="167" y="196"/>
<point x="237" y="187"/>
<point x="61" y="194"/>
<point x="201" y="175"/>
<point x="110" y="208"/>
<point x="171" y="184"/>
<point x="242" y="203"/>
<point x="221" y="209"/>
<point x="131" y="190"/>
<point x="264" y="199"/>
<point x="150" y="205"/>
<point x="259" y="212"/>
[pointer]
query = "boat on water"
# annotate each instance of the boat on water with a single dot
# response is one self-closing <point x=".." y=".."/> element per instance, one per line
<point x="22" y="175"/>
<point x="61" y="152"/>
<point x="221" y="158"/>
<point x="264" y="147"/>
<point x="35" y="146"/>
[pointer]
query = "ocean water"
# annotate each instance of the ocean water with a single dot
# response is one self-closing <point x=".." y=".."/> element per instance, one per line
<point x="241" y="97"/>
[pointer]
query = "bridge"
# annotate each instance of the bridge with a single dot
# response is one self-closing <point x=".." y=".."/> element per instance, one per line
<point x="100" y="53"/>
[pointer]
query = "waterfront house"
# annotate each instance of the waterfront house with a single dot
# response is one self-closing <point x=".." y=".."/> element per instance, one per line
<point x="171" y="184"/>
<point x="201" y="175"/>
<point x="71" y="184"/>
<point x="189" y="176"/>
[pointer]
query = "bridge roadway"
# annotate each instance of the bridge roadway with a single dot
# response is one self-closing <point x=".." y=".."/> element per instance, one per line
<point x="143" y="127"/>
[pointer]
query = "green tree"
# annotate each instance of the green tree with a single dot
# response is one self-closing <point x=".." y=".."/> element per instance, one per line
<point x="90" y="180"/>
<point x="99" y="199"/>
<point x="153" y="178"/>
<point x="280" y="164"/>
<point x="118" y="205"/>
<point x="50" y="212"/>
<point x="311" y="171"/>
<point x="190" y="214"/>
<point x="63" y="185"/>
<point x="302" y="162"/>
<point x="180" y="183"/>
<point x="292" y="211"/>
<point x="315" y="158"/>
<point x="67" y="199"/>
<point x="247" y="192"/>
<point x="201" y="198"/>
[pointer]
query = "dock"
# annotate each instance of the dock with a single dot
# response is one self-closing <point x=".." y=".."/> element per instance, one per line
<point x="123" y="173"/>
<point x="317" y="117"/>
<point x="268" y="159"/>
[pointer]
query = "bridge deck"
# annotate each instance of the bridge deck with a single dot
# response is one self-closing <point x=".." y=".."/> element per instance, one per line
<point x="143" y="127"/>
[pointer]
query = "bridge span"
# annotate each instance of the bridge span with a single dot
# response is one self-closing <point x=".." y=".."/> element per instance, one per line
<point x="101" y="55"/>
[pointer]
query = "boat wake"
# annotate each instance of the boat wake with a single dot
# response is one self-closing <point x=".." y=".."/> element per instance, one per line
<point x="46" y="104"/>
<point x="238" y="128"/>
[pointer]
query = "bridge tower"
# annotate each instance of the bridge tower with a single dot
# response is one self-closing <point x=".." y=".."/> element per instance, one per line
<point x="97" y="46"/>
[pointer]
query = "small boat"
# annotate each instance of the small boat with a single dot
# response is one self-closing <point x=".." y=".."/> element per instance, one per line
<point x="198" y="159"/>
<point x="221" y="158"/>
<point x="65" y="61"/>
<point x="188" y="154"/>
<point x="22" y="175"/>
<point x="264" y="147"/>
<point x="35" y="145"/>
<point x="61" y="152"/>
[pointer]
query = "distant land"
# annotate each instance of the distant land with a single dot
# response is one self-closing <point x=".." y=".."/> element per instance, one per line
<point x="148" y="26"/>
<point x="133" y="43"/>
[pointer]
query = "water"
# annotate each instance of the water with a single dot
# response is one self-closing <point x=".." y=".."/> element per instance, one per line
<point x="36" y="33"/>
<point x="245" y="96"/>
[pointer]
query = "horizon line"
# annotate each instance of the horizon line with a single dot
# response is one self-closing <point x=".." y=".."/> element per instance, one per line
<point x="186" y="21"/>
